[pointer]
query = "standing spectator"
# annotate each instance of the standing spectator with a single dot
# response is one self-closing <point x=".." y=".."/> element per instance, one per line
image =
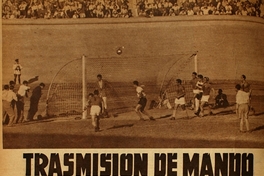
<point x="22" y="92"/>
<point x="242" y="107"/>
<point x="140" y="108"/>
<point x="180" y="98"/>
<point x="17" y="70"/>
<point x="34" y="101"/>
<point x="7" y="97"/>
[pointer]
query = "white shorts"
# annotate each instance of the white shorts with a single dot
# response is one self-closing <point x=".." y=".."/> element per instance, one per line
<point x="205" y="98"/>
<point x="196" y="91"/>
<point x="95" y="110"/>
<point x="180" y="101"/>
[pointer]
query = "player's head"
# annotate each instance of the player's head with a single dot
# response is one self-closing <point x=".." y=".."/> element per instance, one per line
<point x="178" y="81"/>
<point x="6" y="87"/>
<point x="206" y="79"/>
<point x="200" y="77"/>
<point x="96" y="92"/>
<point x="12" y="83"/>
<point x="99" y="77"/>
<point x="90" y="95"/>
<point x="11" y="87"/>
<point x="220" y="91"/>
<point x="17" y="60"/>
<point x="42" y="85"/>
<point x="25" y="82"/>
<point x="194" y="74"/>
<point x="238" y="86"/>
<point x="135" y="83"/>
<point x="243" y="77"/>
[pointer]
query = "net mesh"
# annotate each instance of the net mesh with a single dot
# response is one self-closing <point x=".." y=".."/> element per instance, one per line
<point x="177" y="69"/>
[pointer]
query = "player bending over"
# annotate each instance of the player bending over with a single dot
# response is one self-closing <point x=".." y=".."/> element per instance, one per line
<point x="142" y="102"/>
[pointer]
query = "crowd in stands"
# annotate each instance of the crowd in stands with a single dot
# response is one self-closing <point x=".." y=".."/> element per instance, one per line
<point x="201" y="7"/>
<point x="13" y="9"/>
<point x="65" y="9"/>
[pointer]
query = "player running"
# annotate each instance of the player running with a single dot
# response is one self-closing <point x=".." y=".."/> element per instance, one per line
<point x="140" y="108"/>
<point x="206" y="95"/>
<point x="180" y="98"/>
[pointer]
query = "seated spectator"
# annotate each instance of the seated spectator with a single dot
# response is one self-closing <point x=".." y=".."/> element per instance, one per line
<point x="183" y="11"/>
<point x="113" y="9"/>
<point x="244" y="11"/>
<point x="171" y="12"/>
<point x="205" y="9"/>
<point x="221" y="100"/>
<point x="190" y="12"/>
<point x="228" y="9"/>
<point x="176" y="9"/>
<point x="197" y="10"/>
<point x="261" y="9"/>
<point x="23" y="9"/>
<point x="222" y="10"/>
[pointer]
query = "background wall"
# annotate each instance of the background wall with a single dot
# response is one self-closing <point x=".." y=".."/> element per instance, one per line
<point x="227" y="46"/>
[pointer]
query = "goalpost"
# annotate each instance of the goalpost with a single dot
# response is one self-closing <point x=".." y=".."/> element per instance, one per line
<point x="57" y="88"/>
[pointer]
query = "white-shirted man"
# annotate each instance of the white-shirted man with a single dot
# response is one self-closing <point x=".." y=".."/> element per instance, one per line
<point x="7" y="97"/>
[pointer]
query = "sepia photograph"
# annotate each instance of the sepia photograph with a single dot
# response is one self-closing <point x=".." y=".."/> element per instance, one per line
<point x="143" y="75"/>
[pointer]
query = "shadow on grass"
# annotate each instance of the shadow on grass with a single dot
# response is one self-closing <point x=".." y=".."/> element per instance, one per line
<point x="258" y="128"/>
<point x="226" y="112"/>
<point x="260" y="113"/>
<point x="35" y="122"/>
<point x="120" y="126"/>
<point x="97" y="140"/>
<point x="164" y="116"/>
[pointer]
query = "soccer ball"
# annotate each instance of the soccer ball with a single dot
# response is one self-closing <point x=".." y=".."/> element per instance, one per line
<point x="119" y="51"/>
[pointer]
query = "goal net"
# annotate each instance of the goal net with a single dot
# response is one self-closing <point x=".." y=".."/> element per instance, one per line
<point x="65" y="94"/>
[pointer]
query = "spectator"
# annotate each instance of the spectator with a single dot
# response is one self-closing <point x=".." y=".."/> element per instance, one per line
<point x="17" y="70"/>
<point x="221" y="100"/>
<point x="7" y="97"/>
<point x="34" y="101"/>
<point x="22" y="92"/>
<point x="261" y="9"/>
<point x="190" y="12"/>
<point x="119" y="9"/>
<point x="197" y="10"/>
<point x="228" y="9"/>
